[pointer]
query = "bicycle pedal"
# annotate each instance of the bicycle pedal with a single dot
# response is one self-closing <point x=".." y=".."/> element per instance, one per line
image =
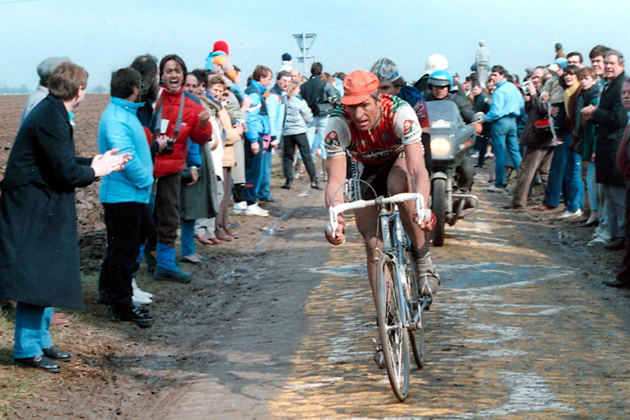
<point x="426" y="302"/>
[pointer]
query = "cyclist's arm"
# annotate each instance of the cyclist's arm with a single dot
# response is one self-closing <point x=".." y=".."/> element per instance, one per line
<point x="336" y="170"/>
<point x="414" y="158"/>
<point x="337" y="136"/>
<point x="408" y="129"/>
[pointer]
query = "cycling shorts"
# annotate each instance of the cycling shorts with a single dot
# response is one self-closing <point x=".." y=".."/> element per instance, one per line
<point x="374" y="177"/>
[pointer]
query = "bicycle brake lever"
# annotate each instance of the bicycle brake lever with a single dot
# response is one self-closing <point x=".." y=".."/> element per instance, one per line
<point x="331" y="228"/>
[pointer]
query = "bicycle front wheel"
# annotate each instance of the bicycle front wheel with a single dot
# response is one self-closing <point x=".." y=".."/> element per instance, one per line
<point x="389" y="312"/>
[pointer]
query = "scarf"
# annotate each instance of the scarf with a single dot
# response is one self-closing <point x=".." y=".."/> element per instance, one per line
<point x="568" y="92"/>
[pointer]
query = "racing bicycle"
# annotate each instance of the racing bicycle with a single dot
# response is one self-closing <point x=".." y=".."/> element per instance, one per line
<point x="399" y="303"/>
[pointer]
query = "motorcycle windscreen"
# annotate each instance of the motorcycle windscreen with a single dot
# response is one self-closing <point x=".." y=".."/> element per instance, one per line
<point x="444" y="114"/>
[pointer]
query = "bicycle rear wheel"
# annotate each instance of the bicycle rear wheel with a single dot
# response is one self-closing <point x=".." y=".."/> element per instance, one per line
<point x="416" y="338"/>
<point x="416" y="335"/>
<point x="389" y="310"/>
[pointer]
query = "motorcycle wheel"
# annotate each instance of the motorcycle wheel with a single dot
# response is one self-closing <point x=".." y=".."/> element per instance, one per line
<point x="438" y="206"/>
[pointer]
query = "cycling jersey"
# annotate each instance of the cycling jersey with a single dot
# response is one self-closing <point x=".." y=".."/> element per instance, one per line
<point x="414" y="98"/>
<point x="397" y="126"/>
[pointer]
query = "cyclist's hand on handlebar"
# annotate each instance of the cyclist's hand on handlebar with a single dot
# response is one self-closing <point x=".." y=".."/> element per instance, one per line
<point x="427" y="223"/>
<point x="340" y="233"/>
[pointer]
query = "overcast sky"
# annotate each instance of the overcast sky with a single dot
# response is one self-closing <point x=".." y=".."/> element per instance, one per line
<point x="351" y="34"/>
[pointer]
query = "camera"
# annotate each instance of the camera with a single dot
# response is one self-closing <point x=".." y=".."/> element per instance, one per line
<point x="170" y="146"/>
<point x="525" y="88"/>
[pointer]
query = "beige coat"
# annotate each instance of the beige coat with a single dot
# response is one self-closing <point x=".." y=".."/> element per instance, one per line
<point x="231" y="138"/>
<point x="224" y="135"/>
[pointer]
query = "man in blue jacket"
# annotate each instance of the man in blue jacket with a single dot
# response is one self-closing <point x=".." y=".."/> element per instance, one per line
<point x="506" y="106"/>
<point x="257" y="128"/>
<point x="124" y="196"/>
<point x="276" y="109"/>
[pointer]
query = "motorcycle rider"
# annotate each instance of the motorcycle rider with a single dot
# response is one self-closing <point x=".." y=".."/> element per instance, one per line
<point x="440" y="82"/>
<point x="437" y="62"/>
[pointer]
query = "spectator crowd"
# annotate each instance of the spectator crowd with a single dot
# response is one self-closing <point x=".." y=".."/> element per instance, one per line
<point x="181" y="150"/>
<point x="565" y="127"/>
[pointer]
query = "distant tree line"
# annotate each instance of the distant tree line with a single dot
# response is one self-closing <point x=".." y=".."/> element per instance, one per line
<point x="22" y="90"/>
<point x="25" y="90"/>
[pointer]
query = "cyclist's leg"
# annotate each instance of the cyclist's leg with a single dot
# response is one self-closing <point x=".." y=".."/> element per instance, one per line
<point x="367" y="222"/>
<point x="398" y="182"/>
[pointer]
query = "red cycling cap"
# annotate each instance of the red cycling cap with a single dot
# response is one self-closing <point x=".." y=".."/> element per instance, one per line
<point x="358" y="86"/>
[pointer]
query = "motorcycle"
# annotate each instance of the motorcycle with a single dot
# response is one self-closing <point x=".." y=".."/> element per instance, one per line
<point x="452" y="170"/>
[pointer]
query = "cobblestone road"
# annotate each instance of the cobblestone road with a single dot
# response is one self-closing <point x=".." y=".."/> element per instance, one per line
<point x="514" y="333"/>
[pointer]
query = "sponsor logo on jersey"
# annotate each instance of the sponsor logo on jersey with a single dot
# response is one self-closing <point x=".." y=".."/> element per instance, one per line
<point x="409" y="126"/>
<point x="332" y="138"/>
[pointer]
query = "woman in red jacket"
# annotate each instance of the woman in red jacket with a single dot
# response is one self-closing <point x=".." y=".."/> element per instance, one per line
<point x="180" y="116"/>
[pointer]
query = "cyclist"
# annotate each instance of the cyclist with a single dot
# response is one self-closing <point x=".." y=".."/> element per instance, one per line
<point x="382" y="135"/>
<point x="392" y="83"/>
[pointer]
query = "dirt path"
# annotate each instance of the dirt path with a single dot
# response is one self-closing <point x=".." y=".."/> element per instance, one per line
<point x="521" y="329"/>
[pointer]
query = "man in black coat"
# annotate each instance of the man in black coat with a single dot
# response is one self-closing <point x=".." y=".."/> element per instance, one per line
<point x="39" y="252"/>
<point x="537" y="141"/>
<point x="316" y="91"/>
<point x="610" y="118"/>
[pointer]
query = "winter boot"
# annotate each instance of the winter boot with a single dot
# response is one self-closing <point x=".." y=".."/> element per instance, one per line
<point x="150" y="257"/>
<point x="166" y="269"/>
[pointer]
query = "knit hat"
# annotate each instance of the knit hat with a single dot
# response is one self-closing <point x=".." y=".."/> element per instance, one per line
<point x="286" y="57"/>
<point x="385" y="70"/>
<point x="562" y="62"/>
<point x="221" y="46"/>
<point x="358" y="86"/>
<point x="46" y="67"/>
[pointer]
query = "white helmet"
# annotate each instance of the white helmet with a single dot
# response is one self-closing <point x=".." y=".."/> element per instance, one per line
<point x="436" y="62"/>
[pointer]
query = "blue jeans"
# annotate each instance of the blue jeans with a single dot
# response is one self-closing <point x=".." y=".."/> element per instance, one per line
<point x="504" y="137"/>
<point x="264" y="190"/>
<point x="31" y="330"/>
<point x="188" y="237"/>
<point x="590" y="181"/>
<point x="316" y="140"/>
<point x="565" y="177"/>
<point x="253" y="172"/>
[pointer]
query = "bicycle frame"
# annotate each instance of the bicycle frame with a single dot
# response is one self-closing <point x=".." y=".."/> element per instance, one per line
<point x="395" y="295"/>
<point x="393" y="242"/>
<point x="394" y="248"/>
